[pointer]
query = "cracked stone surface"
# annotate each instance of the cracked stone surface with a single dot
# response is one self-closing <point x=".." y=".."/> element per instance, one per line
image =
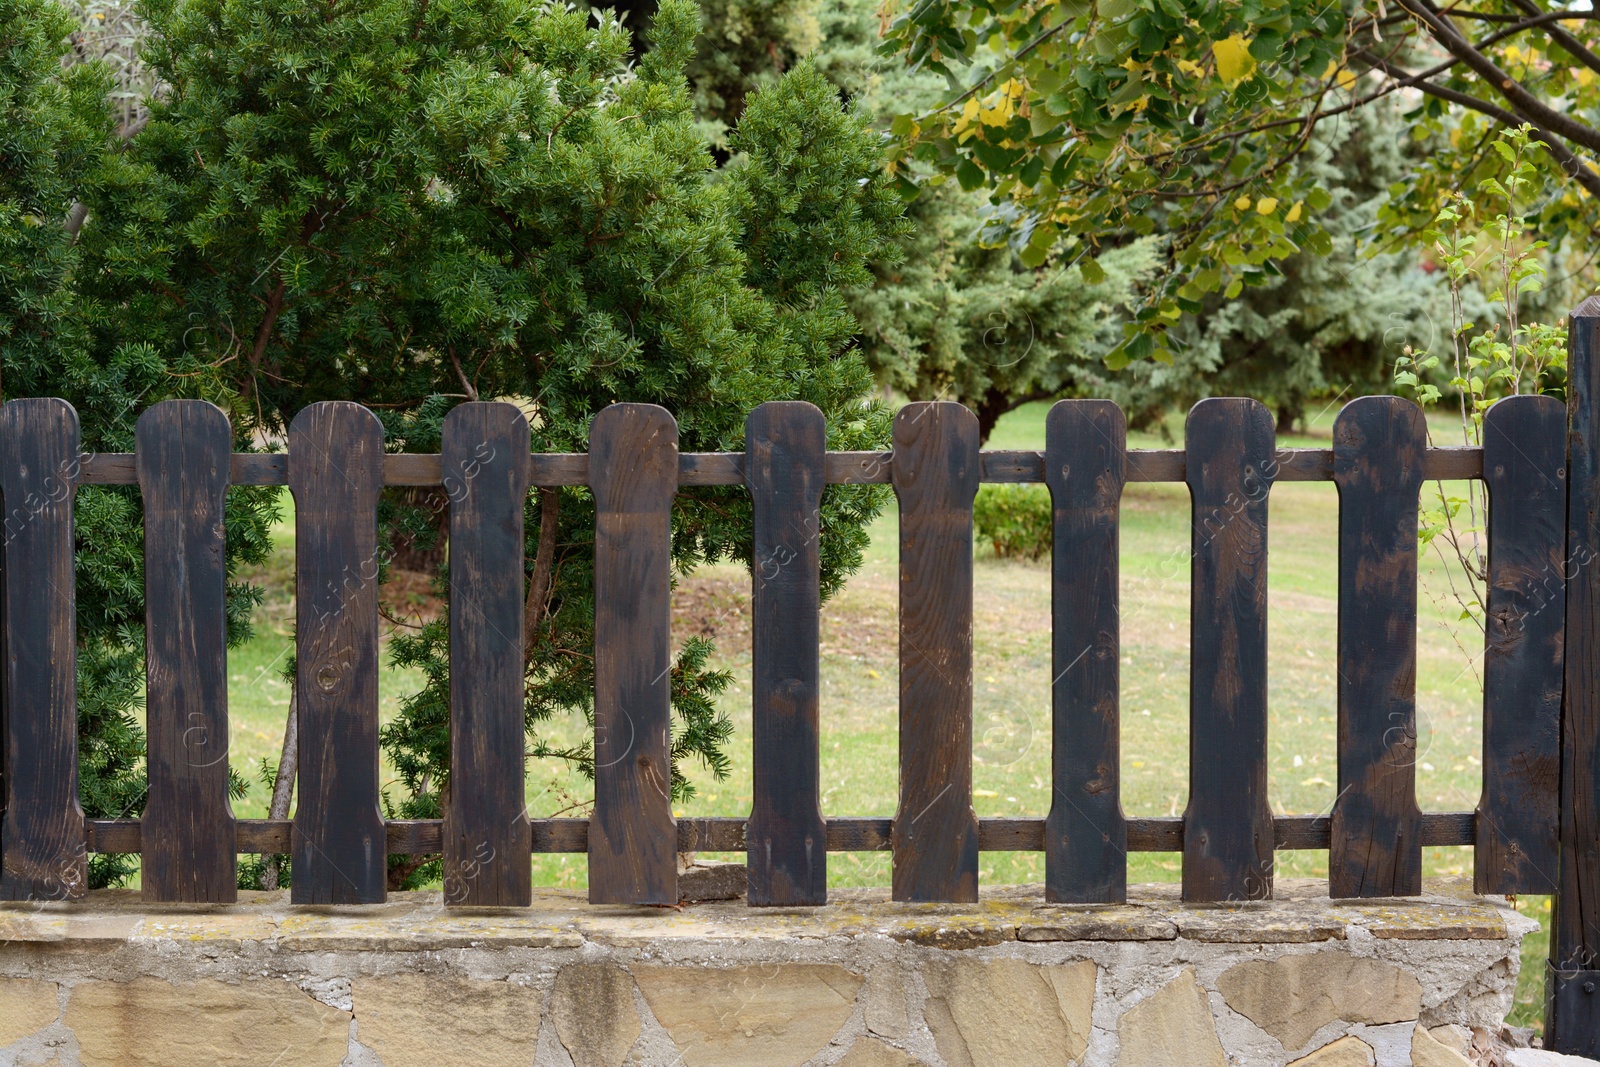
<point x="1294" y="996"/>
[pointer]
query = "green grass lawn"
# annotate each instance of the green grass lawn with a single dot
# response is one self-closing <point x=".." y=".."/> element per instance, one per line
<point x="1012" y="679"/>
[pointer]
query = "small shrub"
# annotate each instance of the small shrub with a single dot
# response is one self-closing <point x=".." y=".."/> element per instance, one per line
<point x="1015" y="519"/>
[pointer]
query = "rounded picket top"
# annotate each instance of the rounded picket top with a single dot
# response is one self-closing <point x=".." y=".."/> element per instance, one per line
<point x="1086" y="453"/>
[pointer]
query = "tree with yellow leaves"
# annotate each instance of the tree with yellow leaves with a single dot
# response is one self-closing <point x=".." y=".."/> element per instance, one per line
<point x="1091" y="123"/>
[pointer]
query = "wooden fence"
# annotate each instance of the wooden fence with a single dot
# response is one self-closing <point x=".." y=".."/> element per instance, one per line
<point x="1535" y="829"/>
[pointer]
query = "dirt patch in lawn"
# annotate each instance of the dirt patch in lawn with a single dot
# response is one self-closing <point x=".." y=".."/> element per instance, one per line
<point x="714" y="603"/>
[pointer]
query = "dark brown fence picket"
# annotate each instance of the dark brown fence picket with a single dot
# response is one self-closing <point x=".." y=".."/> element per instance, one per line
<point x="487" y="836"/>
<point x="787" y="840"/>
<point x="936" y="480"/>
<point x="1524" y="464"/>
<point x="1572" y="976"/>
<point x="336" y="474"/>
<point x="1376" y="847"/>
<point x="42" y="853"/>
<point x="1227" y="828"/>
<point x="183" y="450"/>
<point x="633" y="471"/>
<point x="1086" y="835"/>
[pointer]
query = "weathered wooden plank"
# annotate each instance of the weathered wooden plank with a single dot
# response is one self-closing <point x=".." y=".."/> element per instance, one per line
<point x="1376" y="848"/>
<point x="417" y="837"/>
<point x="108" y="468"/>
<point x="266" y="836"/>
<point x="184" y="447"/>
<point x="711" y="468"/>
<point x="1519" y="814"/>
<point x="859" y="468"/>
<point x="935" y="479"/>
<point x="410" y="469"/>
<point x="1452" y="464"/>
<point x="249" y="468"/>
<point x="487" y="837"/>
<point x="336" y="474"/>
<point x="1228" y="839"/>
<point x="557" y="469"/>
<point x="785" y="443"/>
<point x="1006" y="466"/>
<point x="860" y="835"/>
<point x="1086" y="837"/>
<point x="561" y="835"/>
<point x="633" y="464"/>
<point x="844" y="468"/>
<point x="42" y="854"/>
<point x="1303" y="464"/>
<point x="1572" y="1009"/>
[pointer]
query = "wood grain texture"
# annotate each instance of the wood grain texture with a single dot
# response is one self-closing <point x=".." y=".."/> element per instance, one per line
<point x="487" y="837"/>
<point x="633" y="465"/>
<point x="1376" y="848"/>
<point x="336" y="474"/>
<point x="935" y="479"/>
<point x="787" y="847"/>
<point x="42" y="851"/>
<point x="1519" y="813"/>
<point x="1228" y="839"/>
<point x="1572" y="1017"/>
<point x="1086" y="835"/>
<point x="184" y="447"/>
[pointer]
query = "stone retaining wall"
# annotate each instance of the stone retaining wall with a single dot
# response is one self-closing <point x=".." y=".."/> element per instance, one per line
<point x="864" y="982"/>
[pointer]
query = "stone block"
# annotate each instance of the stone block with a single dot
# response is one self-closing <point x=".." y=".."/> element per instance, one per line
<point x="27" y="1005"/>
<point x="1405" y="919"/>
<point x="712" y="881"/>
<point x="1173" y="1026"/>
<point x="1108" y="923"/>
<point x="870" y="1052"/>
<point x="593" y="1010"/>
<point x="886" y="1002"/>
<point x="490" y="1024"/>
<point x="1008" y="1012"/>
<point x="207" y="1023"/>
<point x="1455" y="1037"/>
<point x="1293" y="996"/>
<point x="1535" y="1057"/>
<point x="1429" y="1051"/>
<point x="1345" y="1052"/>
<point x="1260" y="924"/>
<point x="954" y="935"/>
<point x="777" y="1015"/>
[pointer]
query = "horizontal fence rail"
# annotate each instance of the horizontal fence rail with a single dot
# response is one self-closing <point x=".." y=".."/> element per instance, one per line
<point x="340" y="841"/>
<point x="995" y="467"/>
<point x="422" y="837"/>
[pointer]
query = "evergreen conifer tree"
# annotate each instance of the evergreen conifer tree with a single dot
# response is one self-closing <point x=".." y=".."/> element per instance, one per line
<point x="406" y="204"/>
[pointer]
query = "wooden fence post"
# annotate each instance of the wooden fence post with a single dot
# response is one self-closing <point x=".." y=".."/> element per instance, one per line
<point x="488" y="840"/>
<point x="935" y="476"/>
<point x="1228" y="838"/>
<point x="336" y="473"/>
<point x="787" y="841"/>
<point x="633" y="837"/>
<point x="1086" y="834"/>
<point x="1572" y="981"/>
<point x="1519" y="812"/>
<point x="184" y="451"/>
<point x="1376" y="844"/>
<point x="42" y="845"/>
